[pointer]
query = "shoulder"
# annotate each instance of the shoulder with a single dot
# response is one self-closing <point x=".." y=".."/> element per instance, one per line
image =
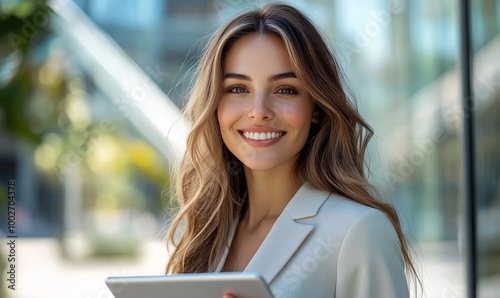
<point x="354" y="214"/>
<point x="345" y="215"/>
<point x="351" y="223"/>
<point x="340" y="216"/>
<point x="364" y="254"/>
<point x="369" y="261"/>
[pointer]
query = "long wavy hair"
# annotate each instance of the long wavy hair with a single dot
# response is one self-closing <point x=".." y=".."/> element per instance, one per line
<point x="210" y="184"/>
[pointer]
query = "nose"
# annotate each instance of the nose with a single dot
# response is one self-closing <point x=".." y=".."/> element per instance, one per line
<point x="260" y="109"/>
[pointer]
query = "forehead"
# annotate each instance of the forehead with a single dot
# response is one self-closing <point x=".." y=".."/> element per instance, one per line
<point x="258" y="52"/>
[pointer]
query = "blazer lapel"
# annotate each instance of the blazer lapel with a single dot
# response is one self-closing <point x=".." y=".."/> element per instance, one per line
<point x="286" y="235"/>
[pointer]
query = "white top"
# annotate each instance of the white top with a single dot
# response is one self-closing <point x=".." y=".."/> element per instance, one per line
<point x="325" y="245"/>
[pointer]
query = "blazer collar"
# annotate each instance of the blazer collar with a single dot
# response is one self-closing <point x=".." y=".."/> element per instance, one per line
<point x="286" y="235"/>
<point x="306" y="202"/>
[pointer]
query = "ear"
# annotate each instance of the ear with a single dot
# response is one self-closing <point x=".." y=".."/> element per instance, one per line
<point x="315" y="117"/>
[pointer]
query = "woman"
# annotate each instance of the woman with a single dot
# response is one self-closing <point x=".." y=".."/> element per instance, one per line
<point x="273" y="179"/>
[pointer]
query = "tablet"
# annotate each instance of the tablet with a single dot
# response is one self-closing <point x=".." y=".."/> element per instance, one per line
<point x="200" y="285"/>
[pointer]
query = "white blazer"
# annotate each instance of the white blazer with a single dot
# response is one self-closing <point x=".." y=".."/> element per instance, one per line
<point x="324" y="245"/>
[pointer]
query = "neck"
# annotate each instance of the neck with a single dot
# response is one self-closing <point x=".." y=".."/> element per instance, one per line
<point x="269" y="191"/>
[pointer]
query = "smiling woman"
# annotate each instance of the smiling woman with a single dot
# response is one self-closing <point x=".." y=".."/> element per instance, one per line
<point x="297" y="208"/>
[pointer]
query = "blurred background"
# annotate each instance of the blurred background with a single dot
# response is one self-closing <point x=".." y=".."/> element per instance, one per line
<point x="90" y="93"/>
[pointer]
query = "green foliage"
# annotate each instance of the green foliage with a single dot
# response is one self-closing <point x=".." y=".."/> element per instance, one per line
<point x="104" y="247"/>
<point x="24" y="35"/>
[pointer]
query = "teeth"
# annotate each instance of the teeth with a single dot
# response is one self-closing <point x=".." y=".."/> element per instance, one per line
<point x="260" y="136"/>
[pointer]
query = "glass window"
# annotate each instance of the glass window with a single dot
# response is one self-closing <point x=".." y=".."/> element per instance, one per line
<point x="486" y="88"/>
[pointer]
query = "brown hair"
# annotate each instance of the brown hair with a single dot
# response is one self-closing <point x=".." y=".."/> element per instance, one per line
<point x="211" y="183"/>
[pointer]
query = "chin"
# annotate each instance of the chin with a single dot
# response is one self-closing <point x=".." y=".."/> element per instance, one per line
<point x="267" y="163"/>
<point x="262" y="164"/>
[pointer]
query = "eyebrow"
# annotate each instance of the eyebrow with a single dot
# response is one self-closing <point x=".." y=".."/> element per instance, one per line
<point x="276" y="77"/>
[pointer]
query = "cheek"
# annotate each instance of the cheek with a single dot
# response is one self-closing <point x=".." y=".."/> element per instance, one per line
<point x="227" y="114"/>
<point x="299" y="115"/>
<point x="223" y="114"/>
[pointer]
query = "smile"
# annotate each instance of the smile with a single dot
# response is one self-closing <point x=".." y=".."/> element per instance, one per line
<point x="258" y="136"/>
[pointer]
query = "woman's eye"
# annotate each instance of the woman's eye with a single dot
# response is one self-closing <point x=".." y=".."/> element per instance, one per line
<point x="236" y="89"/>
<point x="287" y="91"/>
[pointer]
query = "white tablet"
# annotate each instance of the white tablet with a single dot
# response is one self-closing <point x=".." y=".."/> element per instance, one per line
<point x="200" y="285"/>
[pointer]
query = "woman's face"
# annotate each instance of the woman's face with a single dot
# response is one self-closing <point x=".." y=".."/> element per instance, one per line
<point x="265" y="112"/>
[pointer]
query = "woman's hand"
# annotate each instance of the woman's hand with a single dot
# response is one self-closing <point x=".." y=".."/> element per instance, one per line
<point x="228" y="296"/>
